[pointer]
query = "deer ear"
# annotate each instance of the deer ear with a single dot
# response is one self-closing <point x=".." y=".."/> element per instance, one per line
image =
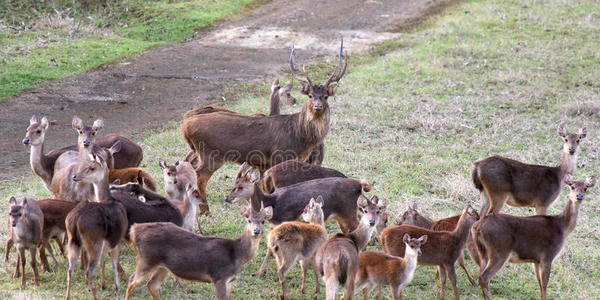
<point x="116" y="147"/>
<point x="590" y="181"/>
<point x="319" y="200"/>
<point x="188" y="187"/>
<point x="331" y="90"/>
<point x="382" y="204"/>
<point x="562" y="130"/>
<point x="98" y="125"/>
<point x="24" y="202"/>
<point x="116" y="182"/>
<point x="568" y="180"/>
<point x="33" y="119"/>
<point x="583" y="133"/>
<point x="414" y="206"/>
<point x="162" y="163"/>
<point x="275" y="85"/>
<point x="304" y="88"/>
<point x="362" y="201"/>
<point x="254" y="175"/>
<point x="45" y="123"/>
<point x="177" y="163"/>
<point x="405" y="238"/>
<point x="77" y="123"/>
<point x="140" y="177"/>
<point x="12" y="200"/>
<point x="423" y="239"/>
<point x="244" y="211"/>
<point x="267" y="212"/>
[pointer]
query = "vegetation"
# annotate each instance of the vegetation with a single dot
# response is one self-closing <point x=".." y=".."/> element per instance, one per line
<point x="411" y="116"/>
<point x="45" y="40"/>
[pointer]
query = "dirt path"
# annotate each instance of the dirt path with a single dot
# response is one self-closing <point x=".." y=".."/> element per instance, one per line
<point x="158" y="86"/>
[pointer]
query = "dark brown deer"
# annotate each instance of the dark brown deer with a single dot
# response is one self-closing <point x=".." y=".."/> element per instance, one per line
<point x="413" y="217"/>
<point x="163" y="247"/>
<point x="535" y="239"/>
<point x="132" y="175"/>
<point x="287" y="173"/>
<point x="26" y="220"/>
<point x="378" y="269"/>
<point x="337" y="260"/>
<point x="55" y="212"/>
<point x="442" y="248"/>
<point x="42" y="164"/>
<point x="502" y="180"/>
<point x="219" y="137"/>
<point x="95" y="224"/>
<point x="295" y="240"/>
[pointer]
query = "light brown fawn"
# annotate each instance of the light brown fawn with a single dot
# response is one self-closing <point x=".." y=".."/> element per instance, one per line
<point x="189" y="207"/>
<point x="377" y="268"/>
<point x="176" y="178"/>
<point x="219" y="137"/>
<point x="412" y="217"/>
<point x="534" y="239"/>
<point x="95" y="224"/>
<point x="502" y="180"/>
<point x="26" y="220"/>
<point x="337" y="260"/>
<point x="295" y="240"/>
<point x="442" y="248"/>
<point x="163" y="247"/>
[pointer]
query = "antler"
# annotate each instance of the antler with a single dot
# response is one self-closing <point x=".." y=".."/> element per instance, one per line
<point x="294" y="70"/>
<point x="339" y="72"/>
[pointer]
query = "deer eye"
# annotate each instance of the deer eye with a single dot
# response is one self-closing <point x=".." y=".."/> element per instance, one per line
<point x="92" y="169"/>
<point x="80" y="132"/>
<point x="585" y="189"/>
<point x="262" y="222"/>
<point x="378" y="212"/>
<point x="39" y="131"/>
<point x="249" y="221"/>
<point x="93" y="133"/>
<point x="577" y="141"/>
<point x="566" y="140"/>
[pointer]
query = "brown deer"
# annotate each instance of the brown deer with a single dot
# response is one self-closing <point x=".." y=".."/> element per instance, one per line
<point x="42" y="164"/>
<point x="132" y="175"/>
<point x="337" y="259"/>
<point x="219" y="137"/>
<point x="176" y="178"/>
<point x="55" y="212"/>
<point x="413" y="217"/>
<point x="189" y="207"/>
<point x="442" y="248"/>
<point x="26" y="220"/>
<point x="95" y="224"/>
<point x="377" y="269"/>
<point x="287" y="173"/>
<point x="164" y="247"/>
<point x="502" y="180"/>
<point x="534" y="239"/>
<point x="294" y="240"/>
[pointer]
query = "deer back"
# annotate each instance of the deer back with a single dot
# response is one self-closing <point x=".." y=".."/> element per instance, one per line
<point x="293" y="171"/>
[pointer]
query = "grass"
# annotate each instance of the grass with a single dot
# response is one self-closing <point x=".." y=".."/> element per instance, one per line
<point x="483" y="78"/>
<point x="42" y="41"/>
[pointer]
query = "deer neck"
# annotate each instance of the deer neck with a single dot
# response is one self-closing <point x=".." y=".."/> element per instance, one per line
<point x="259" y="197"/>
<point x="362" y="234"/>
<point x="569" y="215"/>
<point x="312" y="129"/>
<point x="423" y="221"/>
<point x="274" y="108"/>
<point x="320" y="220"/>
<point x="463" y="227"/>
<point x="568" y="164"/>
<point x="188" y="210"/>
<point x="101" y="189"/>
<point x="37" y="161"/>
<point x="411" y="261"/>
<point x="247" y="245"/>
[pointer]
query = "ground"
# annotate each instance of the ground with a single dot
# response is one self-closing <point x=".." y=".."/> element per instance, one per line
<point x="411" y="115"/>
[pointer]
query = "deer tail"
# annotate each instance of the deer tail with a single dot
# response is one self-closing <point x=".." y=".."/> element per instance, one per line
<point x="475" y="178"/>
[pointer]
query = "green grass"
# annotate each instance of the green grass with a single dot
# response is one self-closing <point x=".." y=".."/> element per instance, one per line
<point x="39" y="43"/>
<point x="483" y="78"/>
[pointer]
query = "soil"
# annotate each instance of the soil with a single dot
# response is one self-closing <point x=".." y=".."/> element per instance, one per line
<point x="146" y="91"/>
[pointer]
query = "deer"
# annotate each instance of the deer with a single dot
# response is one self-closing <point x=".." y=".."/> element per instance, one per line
<point x="218" y="137"/>
<point x="132" y="175"/>
<point x="164" y="247"/>
<point x="442" y="248"/>
<point x="412" y="217"/>
<point x="176" y="178"/>
<point x="26" y="221"/>
<point x="95" y="224"/>
<point x="295" y="240"/>
<point x="534" y="239"/>
<point x="338" y="258"/>
<point x="55" y="212"/>
<point x="378" y="269"/>
<point x="502" y="180"/>
<point x="63" y="186"/>
<point x="287" y="173"/>
<point x="42" y="164"/>
<point x="189" y="207"/>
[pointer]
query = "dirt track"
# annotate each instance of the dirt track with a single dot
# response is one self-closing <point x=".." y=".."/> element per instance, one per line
<point x="158" y="86"/>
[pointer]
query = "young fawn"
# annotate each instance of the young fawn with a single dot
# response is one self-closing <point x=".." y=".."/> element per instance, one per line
<point x="189" y="207"/>
<point x="337" y="260"/>
<point x="412" y="217"/>
<point x="442" y="248"/>
<point x="535" y="239"/>
<point x="95" y="224"/>
<point x="294" y="240"/>
<point x="26" y="221"/>
<point x="164" y="247"/>
<point x="377" y="269"/>
<point x="502" y="180"/>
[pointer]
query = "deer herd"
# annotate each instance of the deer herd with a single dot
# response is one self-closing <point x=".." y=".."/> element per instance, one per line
<point x="102" y="199"/>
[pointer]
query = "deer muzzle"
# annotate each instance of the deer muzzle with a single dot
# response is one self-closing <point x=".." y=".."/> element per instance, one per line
<point x="26" y="141"/>
<point x="256" y="231"/>
<point x="14" y="223"/>
<point x="86" y="143"/>
<point x="75" y="178"/>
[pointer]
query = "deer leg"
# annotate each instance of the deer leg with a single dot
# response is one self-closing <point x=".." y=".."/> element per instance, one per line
<point x="36" y="275"/>
<point x="472" y="249"/>
<point x="536" y="269"/>
<point x="204" y="173"/>
<point x="442" y="273"/>
<point x="494" y="264"/>
<point x="366" y="290"/>
<point x="114" y="257"/>
<point x="314" y="265"/>
<point x="9" y="244"/>
<point x="61" y="245"/>
<point x="51" y="251"/>
<point x="349" y="290"/>
<point x="545" y="268"/>
<point x="222" y="289"/>
<point x="141" y="272"/>
<point x="396" y="292"/>
<point x="461" y="262"/>
<point x="155" y="280"/>
<point x="265" y="264"/>
<point x="378" y="293"/>
<point x="284" y="265"/>
<point x="94" y="251"/>
<point x="22" y="260"/>
<point x="73" y="253"/>
<point x="102" y="267"/>
<point x="43" y="258"/>
<point x="331" y="285"/>
<point x="452" y="275"/>
<point x="497" y="202"/>
<point x="485" y="202"/>
<point x="304" y="264"/>
<point x="17" y="272"/>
